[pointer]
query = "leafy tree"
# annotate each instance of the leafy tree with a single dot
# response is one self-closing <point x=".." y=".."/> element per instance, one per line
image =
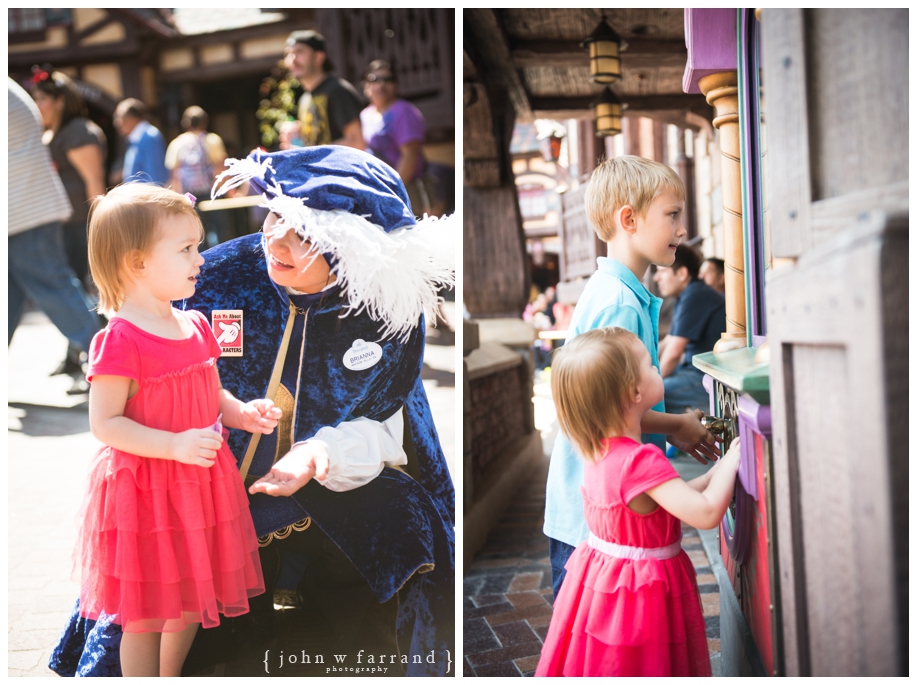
<point x="280" y="94"/>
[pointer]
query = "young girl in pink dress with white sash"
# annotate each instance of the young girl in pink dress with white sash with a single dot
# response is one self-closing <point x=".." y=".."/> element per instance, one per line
<point x="167" y="540"/>
<point x="629" y="605"/>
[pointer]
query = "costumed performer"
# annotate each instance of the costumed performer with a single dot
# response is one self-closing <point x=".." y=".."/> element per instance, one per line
<point x="323" y="313"/>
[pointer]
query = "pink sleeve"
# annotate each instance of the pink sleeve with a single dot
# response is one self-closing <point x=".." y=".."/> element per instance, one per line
<point x="204" y="326"/>
<point x="643" y="470"/>
<point x="114" y="353"/>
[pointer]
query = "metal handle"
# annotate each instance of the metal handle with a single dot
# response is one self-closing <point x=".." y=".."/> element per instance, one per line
<point x="715" y="424"/>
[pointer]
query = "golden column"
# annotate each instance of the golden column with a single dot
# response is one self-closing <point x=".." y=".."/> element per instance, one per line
<point x="723" y="94"/>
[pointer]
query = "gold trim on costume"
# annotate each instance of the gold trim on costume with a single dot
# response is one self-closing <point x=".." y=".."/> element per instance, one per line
<point x="284" y="400"/>
<point x="285" y="532"/>
<point x="423" y="568"/>
<point x="271" y="390"/>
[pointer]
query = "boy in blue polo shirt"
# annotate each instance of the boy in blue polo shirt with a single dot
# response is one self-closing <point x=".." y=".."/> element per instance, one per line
<point x="636" y="206"/>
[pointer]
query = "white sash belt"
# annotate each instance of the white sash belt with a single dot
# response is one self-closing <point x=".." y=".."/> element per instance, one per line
<point x="613" y="549"/>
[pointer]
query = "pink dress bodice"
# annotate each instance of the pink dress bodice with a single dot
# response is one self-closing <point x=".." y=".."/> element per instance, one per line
<point x="614" y="480"/>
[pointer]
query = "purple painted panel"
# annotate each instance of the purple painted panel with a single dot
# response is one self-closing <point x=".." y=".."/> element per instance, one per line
<point x="757" y="415"/>
<point x="748" y="460"/>
<point x="752" y="417"/>
<point x="708" y="386"/>
<point x="710" y="36"/>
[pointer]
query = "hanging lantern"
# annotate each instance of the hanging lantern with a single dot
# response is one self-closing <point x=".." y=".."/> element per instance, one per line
<point x="608" y="110"/>
<point x="604" y="54"/>
<point x="550" y="145"/>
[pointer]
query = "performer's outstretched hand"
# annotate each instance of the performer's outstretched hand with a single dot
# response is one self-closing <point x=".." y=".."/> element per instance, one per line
<point x="260" y="416"/>
<point x="294" y="470"/>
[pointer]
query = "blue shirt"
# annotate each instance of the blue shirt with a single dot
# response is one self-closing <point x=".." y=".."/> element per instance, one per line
<point x="145" y="158"/>
<point x="612" y="297"/>
<point x="699" y="315"/>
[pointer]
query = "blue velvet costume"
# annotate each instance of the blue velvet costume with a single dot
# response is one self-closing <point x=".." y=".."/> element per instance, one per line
<point x="397" y="530"/>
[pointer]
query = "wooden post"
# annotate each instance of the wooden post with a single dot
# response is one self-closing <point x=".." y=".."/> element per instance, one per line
<point x="723" y="94"/>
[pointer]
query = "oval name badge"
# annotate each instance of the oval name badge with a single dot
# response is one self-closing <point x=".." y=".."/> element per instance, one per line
<point x="362" y="355"/>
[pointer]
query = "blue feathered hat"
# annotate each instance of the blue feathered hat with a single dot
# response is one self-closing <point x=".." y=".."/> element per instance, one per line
<point x="354" y="209"/>
<point x="330" y="177"/>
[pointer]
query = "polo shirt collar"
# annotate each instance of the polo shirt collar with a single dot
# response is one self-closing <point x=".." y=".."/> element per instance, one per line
<point x="616" y="268"/>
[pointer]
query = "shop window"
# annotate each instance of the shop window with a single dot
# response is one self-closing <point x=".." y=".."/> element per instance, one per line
<point x="533" y="203"/>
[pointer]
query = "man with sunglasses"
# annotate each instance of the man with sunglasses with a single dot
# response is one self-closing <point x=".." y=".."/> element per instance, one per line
<point x="329" y="109"/>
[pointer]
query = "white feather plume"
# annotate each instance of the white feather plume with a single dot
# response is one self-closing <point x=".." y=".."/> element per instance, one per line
<point x="238" y="172"/>
<point x="394" y="277"/>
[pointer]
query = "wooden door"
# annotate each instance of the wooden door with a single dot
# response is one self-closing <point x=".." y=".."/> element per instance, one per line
<point x="836" y="106"/>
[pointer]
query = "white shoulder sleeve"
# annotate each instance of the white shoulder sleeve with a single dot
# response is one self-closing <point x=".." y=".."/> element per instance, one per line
<point x="358" y="450"/>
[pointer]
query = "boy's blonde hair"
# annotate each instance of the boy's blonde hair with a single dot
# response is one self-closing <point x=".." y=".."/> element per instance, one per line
<point x="123" y="223"/>
<point x="594" y="379"/>
<point x="627" y="180"/>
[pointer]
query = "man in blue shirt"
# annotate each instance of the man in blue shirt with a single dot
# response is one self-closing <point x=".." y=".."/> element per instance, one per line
<point x="698" y="321"/>
<point x="145" y="158"/>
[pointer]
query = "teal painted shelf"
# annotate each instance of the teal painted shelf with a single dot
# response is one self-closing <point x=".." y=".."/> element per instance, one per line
<point x="737" y="369"/>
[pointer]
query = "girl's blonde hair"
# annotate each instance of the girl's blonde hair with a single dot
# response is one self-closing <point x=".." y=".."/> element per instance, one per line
<point x="123" y="223"/>
<point x="626" y="180"/>
<point x="594" y="379"/>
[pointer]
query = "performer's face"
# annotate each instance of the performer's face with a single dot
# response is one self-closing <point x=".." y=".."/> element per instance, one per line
<point x="292" y="261"/>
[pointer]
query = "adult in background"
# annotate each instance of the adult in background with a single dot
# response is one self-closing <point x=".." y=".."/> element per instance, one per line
<point x="195" y="158"/>
<point x="329" y="109"/>
<point x="394" y="131"/>
<point x="698" y="321"/>
<point x="78" y="149"/>
<point x="713" y="273"/>
<point x="38" y="204"/>
<point x="145" y="157"/>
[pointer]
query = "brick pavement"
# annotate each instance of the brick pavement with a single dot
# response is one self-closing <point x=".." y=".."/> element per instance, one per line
<point x="507" y="590"/>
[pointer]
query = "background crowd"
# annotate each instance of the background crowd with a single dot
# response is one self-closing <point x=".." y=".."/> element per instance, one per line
<point x="85" y="163"/>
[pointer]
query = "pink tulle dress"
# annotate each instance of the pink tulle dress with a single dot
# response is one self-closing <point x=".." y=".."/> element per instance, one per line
<point x="164" y="544"/>
<point x="629" y="604"/>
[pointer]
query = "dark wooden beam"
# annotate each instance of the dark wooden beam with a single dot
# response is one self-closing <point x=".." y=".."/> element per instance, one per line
<point x="635" y="46"/>
<point x="634" y="102"/>
<point x="213" y="72"/>
<point x="485" y="41"/>
<point x="640" y="53"/>
<point x="88" y="54"/>
<point x="77" y="37"/>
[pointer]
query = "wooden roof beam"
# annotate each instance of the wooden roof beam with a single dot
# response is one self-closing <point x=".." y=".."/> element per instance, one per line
<point x="486" y="42"/>
<point x="634" y="102"/>
<point x="641" y="53"/>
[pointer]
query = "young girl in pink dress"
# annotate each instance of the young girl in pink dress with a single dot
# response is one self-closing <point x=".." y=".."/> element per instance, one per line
<point x="629" y="604"/>
<point x="167" y="541"/>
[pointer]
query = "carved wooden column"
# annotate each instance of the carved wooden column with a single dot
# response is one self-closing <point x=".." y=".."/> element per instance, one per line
<point x="722" y="93"/>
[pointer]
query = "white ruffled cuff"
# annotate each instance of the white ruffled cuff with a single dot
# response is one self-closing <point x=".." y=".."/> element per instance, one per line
<point x="359" y="449"/>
